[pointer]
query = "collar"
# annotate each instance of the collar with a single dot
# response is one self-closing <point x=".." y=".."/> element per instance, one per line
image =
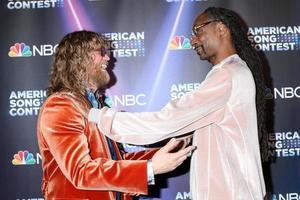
<point x="92" y="98"/>
<point x="223" y="62"/>
<point x="226" y="60"/>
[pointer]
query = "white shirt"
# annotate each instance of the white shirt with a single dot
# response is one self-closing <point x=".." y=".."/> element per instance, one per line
<point x="222" y="112"/>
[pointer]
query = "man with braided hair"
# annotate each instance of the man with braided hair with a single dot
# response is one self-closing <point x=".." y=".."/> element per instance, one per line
<point x="225" y="113"/>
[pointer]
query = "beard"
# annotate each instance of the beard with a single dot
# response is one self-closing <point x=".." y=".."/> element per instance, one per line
<point x="100" y="77"/>
<point x="201" y="51"/>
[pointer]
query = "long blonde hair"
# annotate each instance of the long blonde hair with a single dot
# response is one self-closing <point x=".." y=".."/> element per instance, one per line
<point x="68" y="71"/>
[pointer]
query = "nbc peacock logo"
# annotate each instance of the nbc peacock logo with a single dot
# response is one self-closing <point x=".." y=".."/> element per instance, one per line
<point x="19" y="50"/>
<point x="23" y="158"/>
<point x="180" y="43"/>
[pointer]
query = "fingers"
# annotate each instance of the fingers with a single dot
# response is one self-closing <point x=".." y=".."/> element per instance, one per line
<point x="179" y="163"/>
<point x="170" y="145"/>
<point x="180" y="160"/>
<point x="189" y="139"/>
<point x="185" y="151"/>
<point x="185" y="140"/>
<point x="180" y="156"/>
<point x="165" y="160"/>
<point x="134" y="194"/>
<point x="183" y="154"/>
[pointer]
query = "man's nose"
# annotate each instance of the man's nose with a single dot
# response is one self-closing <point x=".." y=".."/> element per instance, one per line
<point x="193" y="40"/>
<point x="106" y="57"/>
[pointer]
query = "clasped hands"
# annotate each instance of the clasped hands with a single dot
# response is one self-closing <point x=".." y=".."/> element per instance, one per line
<point x="166" y="159"/>
<point x="170" y="156"/>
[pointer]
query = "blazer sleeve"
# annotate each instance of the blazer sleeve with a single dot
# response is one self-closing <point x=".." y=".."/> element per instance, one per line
<point x="192" y="111"/>
<point x="62" y="127"/>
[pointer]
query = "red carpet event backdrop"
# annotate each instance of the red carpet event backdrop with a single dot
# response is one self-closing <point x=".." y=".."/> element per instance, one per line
<point x="152" y="63"/>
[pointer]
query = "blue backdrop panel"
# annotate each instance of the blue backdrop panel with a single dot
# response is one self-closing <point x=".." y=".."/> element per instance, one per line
<point x="153" y="63"/>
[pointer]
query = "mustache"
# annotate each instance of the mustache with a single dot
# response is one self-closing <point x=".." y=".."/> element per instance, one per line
<point x="103" y="65"/>
<point x="195" y="46"/>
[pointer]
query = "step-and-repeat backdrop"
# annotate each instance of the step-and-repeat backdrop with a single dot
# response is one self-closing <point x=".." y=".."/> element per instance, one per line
<point x="153" y="63"/>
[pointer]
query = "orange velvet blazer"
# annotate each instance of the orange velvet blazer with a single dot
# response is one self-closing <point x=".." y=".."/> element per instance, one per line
<point x="76" y="160"/>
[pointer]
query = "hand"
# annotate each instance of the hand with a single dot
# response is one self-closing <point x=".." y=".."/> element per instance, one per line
<point x="184" y="141"/>
<point x="134" y="194"/>
<point x="164" y="161"/>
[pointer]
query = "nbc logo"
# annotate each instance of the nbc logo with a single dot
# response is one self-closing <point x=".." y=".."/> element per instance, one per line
<point x="180" y="42"/>
<point x="23" y="158"/>
<point x="20" y="50"/>
<point x="23" y="50"/>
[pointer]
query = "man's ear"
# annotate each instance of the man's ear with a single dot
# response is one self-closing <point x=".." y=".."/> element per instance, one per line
<point x="223" y="30"/>
<point x="92" y="56"/>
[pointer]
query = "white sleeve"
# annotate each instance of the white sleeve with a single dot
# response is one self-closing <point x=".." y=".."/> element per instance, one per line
<point x="192" y="111"/>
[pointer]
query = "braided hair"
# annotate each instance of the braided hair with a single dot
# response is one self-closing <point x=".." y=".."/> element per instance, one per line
<point x="246" y="51"/>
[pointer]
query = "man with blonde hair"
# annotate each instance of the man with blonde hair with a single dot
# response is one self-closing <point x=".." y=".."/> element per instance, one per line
<point x="78" y="161"/>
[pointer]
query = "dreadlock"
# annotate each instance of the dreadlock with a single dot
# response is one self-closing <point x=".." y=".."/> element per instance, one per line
<point x="246" y="51"/>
